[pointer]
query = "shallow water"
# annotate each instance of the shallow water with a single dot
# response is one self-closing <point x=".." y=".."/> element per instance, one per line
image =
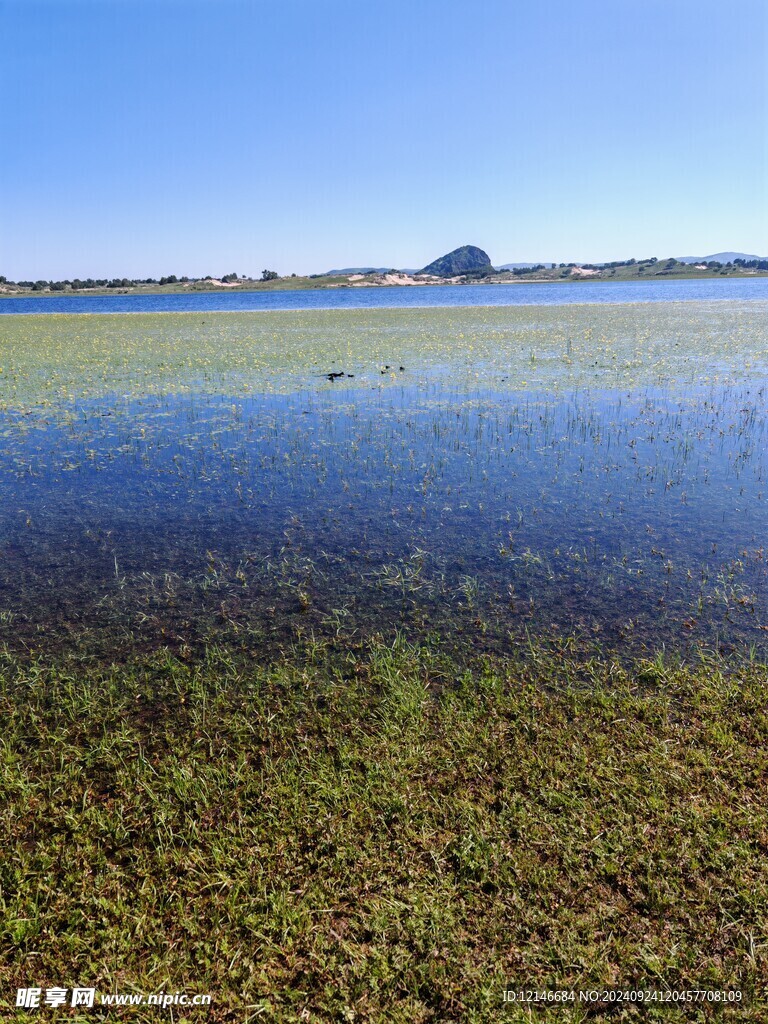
<point x="639" y="519"/>
<point x="614" y="499"/>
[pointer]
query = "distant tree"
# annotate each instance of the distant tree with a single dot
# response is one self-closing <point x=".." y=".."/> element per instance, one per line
<point x="57" y="286"/>
<point x="2" y="280"/>
<point x="230" y="278"/>
<point x="269" y="275"/>
<point x="171" y="279"/>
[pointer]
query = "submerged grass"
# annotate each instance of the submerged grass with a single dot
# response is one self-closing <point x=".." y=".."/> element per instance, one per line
<point x="378" y="835"/>
<point x="635" y="515"/>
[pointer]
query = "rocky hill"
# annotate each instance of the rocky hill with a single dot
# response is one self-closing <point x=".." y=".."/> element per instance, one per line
<point x="466" y="259"/>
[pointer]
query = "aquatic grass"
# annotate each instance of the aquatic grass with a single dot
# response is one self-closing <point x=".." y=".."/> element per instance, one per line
<point x="60" y="360"/>
<point x="574" y="503"/>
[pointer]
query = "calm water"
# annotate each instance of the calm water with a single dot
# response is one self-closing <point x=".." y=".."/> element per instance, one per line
<point x="628" y="520"/>
<point x="595" y="475"/>
<point x="414" y="296"/>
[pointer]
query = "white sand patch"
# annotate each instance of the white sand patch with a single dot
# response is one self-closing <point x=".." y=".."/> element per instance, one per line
<point x="398" y="279"/>
<point x="383" y="279"/>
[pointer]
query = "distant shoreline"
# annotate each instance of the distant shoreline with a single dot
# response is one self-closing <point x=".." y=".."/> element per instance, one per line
<point x="314" y="284"/>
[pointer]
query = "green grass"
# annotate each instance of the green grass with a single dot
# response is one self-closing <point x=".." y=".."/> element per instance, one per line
<point x="374" y="834"/>
<point x="369" y="831"/>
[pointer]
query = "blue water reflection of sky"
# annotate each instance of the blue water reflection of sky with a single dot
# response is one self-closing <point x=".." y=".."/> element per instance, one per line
<point x="412" y="296"/>
<point x="636" y="519"/>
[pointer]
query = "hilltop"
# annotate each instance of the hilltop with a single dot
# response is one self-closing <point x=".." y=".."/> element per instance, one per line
<point x="341" y="271"/>
<point x="467" y="259"/>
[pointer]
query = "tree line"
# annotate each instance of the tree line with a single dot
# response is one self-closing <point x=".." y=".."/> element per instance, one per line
<point x="80" y="284"/>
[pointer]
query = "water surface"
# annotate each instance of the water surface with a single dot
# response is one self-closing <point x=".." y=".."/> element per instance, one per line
<point x="595" y="477"/>
<point x="406" y="297"/>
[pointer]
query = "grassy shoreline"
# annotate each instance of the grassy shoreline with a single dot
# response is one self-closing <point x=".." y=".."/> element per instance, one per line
<point x="378" y="834"/>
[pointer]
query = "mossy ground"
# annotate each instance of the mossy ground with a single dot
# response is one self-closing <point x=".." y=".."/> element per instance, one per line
<point x="378" y="835"/>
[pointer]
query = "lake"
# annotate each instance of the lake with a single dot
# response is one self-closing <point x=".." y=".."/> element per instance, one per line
<point x="590" y="476"/>
<point x="406" y="297"/>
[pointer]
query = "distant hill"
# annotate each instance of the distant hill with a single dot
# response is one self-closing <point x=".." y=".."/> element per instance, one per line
<point x="464" y="260"/>
<point x="356" y="270"/>
<point x="719" y="257"/>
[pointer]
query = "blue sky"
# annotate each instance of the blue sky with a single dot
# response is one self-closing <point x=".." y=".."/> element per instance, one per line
<point x="149" y="137"/>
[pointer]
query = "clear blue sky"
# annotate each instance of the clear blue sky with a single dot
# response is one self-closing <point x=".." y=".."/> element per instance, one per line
<point x="149" y="137"/>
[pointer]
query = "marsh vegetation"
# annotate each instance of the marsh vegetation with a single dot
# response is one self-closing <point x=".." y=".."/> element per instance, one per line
<point x="488" y="474"/>
<point x="360" y="663"/>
